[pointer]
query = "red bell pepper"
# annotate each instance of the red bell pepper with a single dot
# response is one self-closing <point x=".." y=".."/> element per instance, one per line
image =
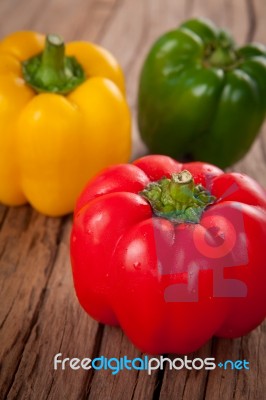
<point x="173" y="253"/>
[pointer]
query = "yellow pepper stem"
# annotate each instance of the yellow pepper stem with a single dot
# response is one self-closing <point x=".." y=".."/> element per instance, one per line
<point x="52" y="71"/>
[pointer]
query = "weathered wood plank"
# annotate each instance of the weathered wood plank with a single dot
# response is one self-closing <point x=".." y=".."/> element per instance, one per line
<point x="251" y="384"/>
<point x="222" y="384"/>
<point x="242" y="384"/>
<point x="130" y="34"/>
<point x="127" y="384"/>
<point x="131" y="51"/>
<point x="254" y="163"/>
<point x="27" y="248"/>
<point x="61" y="326"/>
<point x="80" y="19"/>
<point x="29" y="244"/>
<point x="186" y="384"/>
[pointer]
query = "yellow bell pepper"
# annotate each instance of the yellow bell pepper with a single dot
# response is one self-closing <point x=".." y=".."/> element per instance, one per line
<point x="63" y="117"/>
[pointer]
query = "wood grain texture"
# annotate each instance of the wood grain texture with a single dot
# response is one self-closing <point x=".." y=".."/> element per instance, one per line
<point x="39" y="313"/>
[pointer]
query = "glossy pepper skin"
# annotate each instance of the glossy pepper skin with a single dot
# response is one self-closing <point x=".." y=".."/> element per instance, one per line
<point x="171" y="285"/>
<point x="53" y="141"/>
<point x="200" y="96"/>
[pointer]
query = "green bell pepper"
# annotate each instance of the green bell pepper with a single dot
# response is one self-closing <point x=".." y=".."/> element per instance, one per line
<point x="200" y="97"/>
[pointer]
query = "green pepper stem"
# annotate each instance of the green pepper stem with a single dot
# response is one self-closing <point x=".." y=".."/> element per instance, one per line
<point x="178" y="198"/>
<point x="221" y="52"/>
<point x="222" y="57"/>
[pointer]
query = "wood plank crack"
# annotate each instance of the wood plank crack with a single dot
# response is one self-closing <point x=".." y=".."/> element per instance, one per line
<point x="252" y="19"/>
<point x="3" y="214"/>
<point x="60" y="347"/>
<point x="158" y="384"/>
<point x="95" y="353"/>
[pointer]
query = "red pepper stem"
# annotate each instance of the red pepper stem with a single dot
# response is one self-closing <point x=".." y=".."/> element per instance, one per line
<point x="178" y="198"/>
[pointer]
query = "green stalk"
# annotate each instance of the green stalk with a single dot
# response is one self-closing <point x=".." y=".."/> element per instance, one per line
<point x="178" y="198"/>
<point x="53" y="71"/>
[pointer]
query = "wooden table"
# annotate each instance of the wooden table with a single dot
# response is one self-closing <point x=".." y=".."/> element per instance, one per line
<point x="39" y="313"/>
